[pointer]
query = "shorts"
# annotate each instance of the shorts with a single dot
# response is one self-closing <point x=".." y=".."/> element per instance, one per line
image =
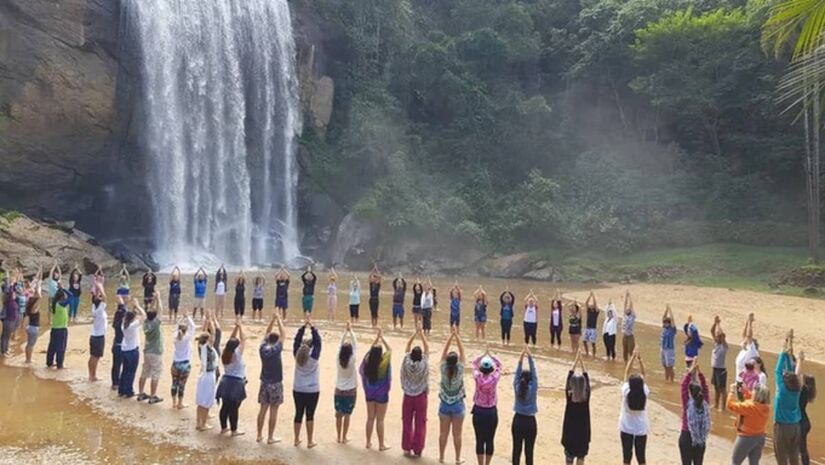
<point x="574" y="330"/>
<point x="455" y="410"/>
<point x="398" y="310"/>
<point x="281" y="302"/>
<point x="174" y="302"/>
<point x="416" y="309"/>
<point x="480" y="317"/>
<point x="257" y="304"/>
<point x="122" y="291"/>
<point x="271" y="394"/>
<point x="382" y="399"/>
<point x="353" y="310"/>
<point x="199" y="302"/>
<point x="96" y="344"/>
<point x="590" y="335"/>
<point x="373" y="307"/>
<point x="32" y="333"/>
<point x="307" y="302"/>
<point x="152" y="366"/>
<point x="455" y="319"/>
<point x="720" y="378"/>
<point x="240" y="306"/>
<point x="345" y="401"/>
<point x="668" y="357"/>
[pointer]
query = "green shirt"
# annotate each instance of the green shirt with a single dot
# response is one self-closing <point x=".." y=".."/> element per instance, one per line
<point x="154" y="341"/>
<point x="60" y="317"/>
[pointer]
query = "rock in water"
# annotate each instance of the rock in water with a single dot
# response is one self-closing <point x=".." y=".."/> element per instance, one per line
<point x="28" y="244"/>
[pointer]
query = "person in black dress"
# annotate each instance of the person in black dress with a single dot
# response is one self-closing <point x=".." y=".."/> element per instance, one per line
<point x="575" y="435"/>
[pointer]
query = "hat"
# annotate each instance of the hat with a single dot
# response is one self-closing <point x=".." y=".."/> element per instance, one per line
<point x="486" y="364"/>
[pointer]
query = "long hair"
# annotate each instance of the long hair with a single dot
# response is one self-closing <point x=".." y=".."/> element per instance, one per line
<point x="128" y="318"/>
<point x="374" y="357"/>
<point x="452" y="365"/>
<point x="182" y="330"/>
<point x="578" y="389"/>
<point x="302" y="356"/>
<point x="810" y="385"/>
<point x="760" y="362"/>
<point x="524" y="384"/>
<point x="32" y="304"/>
<point x="229" y="350"/>
<point x="636" y="398"/>
<point x="345" y="354"/>
<point x="698" y="398"/>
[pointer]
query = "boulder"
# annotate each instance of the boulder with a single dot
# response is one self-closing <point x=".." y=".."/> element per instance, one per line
<point x="354" y="243"/>
<point x="541" y="274"/>
<point x="508" y="266"/>
<point x="27" y="244"/>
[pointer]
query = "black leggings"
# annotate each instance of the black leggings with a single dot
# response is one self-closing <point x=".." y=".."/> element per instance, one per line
<point x="305" y="402"/>
<point x="229" y="411"/>
<point x="555" y="335"/>
<point x="691" y="455"/>
<point x="530" y="332"/>
<point x="240" y="306"/>
<point x="610" y="345"/>
<point x="485" y="422"/>
<point x="803" y="443"/>
<point x="524" y="434"/>
<point x="630" y="441"/>
<point x="506" y="326"/>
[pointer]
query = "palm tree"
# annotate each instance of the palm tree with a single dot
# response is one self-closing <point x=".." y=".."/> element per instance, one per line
<point x="801" y="23"/>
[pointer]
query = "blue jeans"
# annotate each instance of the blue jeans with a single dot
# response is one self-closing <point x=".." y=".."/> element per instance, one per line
<point x="74" y="302"/>
<point x="57" y="346"/>
<point x="117" y="364"/>
<point x="131" y="359"/>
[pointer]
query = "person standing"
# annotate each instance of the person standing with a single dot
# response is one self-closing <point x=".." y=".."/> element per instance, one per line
<point x="130" y="349"/>
<point x="418" y="290"/>
<point x="556" y="320"/>
<point x="174" y="293"/>
<point x="718" y="363"/>
<point x="258" y="297"/>
<point x="415" y="381"/>
<point x="787" y="416"/>
<point x="609" y="331"/>
<point x="806" y="396"/>
<point x="271" y="392"/>
<point x="753" y="411"/>
<point x="306" y="386"/>
<point x="667" y="344"/>
<point x="576" y="426"/>
<point x="455" y="307"/>
<point x="486" y="373"/>
<point x="480" y="312"/>
<point x="695" y="417"/>
<point x="592" y="323"/>
<point x="239" y="301"/>
<point x="282" y="292"/>
<point x="507" y="300"/>
<point x="182" y="359"/>
<point x="207" y="380"/>
<point x="221" y="279"/>
<point x="525" y="407"/>
<point x="309" y="279"/>
<point x="346" y="384"/>
<point x="54" y="284"/>
<point x="376" y="377"/>
<point x="531" y="318"/>
<point x="693" y="343"/>
<point x="451" y="408"/>
<point x="231" y="390"/>
<point x="11" y="315"/>
<point x="59" y="334"/>
<point x="628" y="327"/>
<point x="149" y="281"/>
<point x="354" y="299"/>
<point x="75" y="290"/>
<point x="375" y="290"/>
<point x="332" y="294"/>
<point x="399" y="290"/>
<point x="33" y="314"/>
<point x="152" y="352"/>
<point x="428" y="302"/>
<point x="200" y="281"/>
<point x="117" y="344"/>
<point x="574" y="326"/>
<point x="97" y="339"/>
<point x="634" y="424"/>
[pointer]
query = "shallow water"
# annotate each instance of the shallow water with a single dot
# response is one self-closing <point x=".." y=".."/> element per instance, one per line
<point x="39" y="414"/>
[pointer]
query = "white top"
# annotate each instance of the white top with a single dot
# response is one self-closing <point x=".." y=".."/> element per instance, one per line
<point x="745" y="355"/>
<point x="307" y="377"/>
<point x="332" y="288"/>
<point x="220" y="288"/>
<point x="427" y="299"/>
<point x="236" y="367"/>
<point x="183" y="345"/>
<point x="131" y="336"/>
<point x="634" y="422"/>
<point x="347" y="376"/>
<point x="763" y="379"/>
<point x="609" y="325"/>
<point x="530" y="314"/>
<point x="99" y="319"/>
<point x="556" y="313"/>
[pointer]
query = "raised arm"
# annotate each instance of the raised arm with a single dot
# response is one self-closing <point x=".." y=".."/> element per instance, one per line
<point x="461" y="353"/>
<point x="447" y="347"/>
<point x="271" y="325"/>
<point x="410" y="341"/>
<point x="141" y="314"/>
<point x="316" y="344"/>
<point x="299" y="338"/>
<point x="629" y="366"/>
<point x="715" y="328"/>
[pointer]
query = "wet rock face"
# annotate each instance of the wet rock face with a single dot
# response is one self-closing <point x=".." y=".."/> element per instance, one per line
<point x="57" y="102"/>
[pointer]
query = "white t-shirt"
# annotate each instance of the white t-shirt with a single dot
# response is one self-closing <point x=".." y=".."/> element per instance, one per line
<point x="183" y="346"/>
<point x="609" y="325"/>
<point x="99" y="319"/>
<point x="556" y="316"/>
<point x="634" y="422"/>
<point x="131" y="336"/>
<point x="531" y="314"/>
<point x="427" y="299"/>
<point x="220" y="288"/>
<point x="745" y="355"/>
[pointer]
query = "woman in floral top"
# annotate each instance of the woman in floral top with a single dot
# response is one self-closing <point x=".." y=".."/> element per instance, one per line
<point x="451" y="395"/>
<point x="486" y="372"/>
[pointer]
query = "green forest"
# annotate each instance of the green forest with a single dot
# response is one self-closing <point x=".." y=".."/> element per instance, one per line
<point x="612" y="125"/>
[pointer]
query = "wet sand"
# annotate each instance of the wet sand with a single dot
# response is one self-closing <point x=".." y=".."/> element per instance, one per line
<point x="176" y="428"/>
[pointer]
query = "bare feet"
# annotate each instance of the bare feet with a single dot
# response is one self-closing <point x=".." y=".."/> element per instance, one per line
<point x="259" y="439"/>
<point x="274" y="440"/>
<point x="310" y="445"/>
<point x="297" y="443"/>
<point x="237" y="433"/>
<point x="224" y="430"/>
<point x="369" y="445"/>
<point x="383" y="448"/>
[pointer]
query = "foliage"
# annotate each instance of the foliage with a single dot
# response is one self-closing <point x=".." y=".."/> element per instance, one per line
<point x="524" y="124"/>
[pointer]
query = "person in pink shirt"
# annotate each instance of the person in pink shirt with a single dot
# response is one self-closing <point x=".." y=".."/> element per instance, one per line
<point x="486" y="372"/>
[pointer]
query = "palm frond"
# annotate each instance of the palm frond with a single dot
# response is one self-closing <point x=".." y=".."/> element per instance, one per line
<point x="803" y="81"/>
<point x="799" y="21"/>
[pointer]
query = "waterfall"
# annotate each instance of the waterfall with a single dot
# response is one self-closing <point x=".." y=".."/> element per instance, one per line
<point x="219" y="98"/>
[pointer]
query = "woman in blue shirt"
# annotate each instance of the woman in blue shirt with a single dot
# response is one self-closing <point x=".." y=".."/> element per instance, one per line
<point x="507" y="300"/>
<point x="787" y="415"/>
<point x="668" y="344"/>
<point x="524" y="429"/>
<point x="200" y="290"/>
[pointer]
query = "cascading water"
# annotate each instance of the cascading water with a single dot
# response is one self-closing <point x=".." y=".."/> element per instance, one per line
<point x="220" y="115"/>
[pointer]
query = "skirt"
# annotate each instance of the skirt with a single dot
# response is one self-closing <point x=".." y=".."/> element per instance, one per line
<point x="231" y="388"/>
<point x="205" y="391"/>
